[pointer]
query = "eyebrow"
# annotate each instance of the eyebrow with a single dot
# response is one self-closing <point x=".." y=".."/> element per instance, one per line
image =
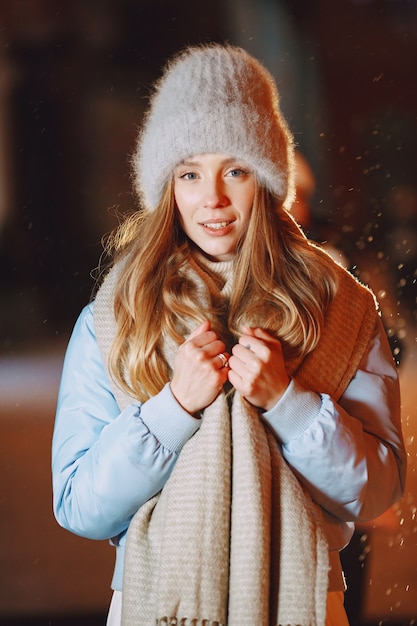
<point x="195" y="163"/>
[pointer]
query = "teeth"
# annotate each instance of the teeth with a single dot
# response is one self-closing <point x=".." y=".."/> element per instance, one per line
<point x="216" y="225"/>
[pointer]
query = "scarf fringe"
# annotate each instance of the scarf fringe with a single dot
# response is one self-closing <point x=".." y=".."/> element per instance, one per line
<point x="187" y="621"/>
<point x="190" y="621"/>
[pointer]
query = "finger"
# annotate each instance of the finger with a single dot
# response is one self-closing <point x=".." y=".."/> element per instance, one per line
<point x="222" y="360"/>
<point x="204" y="327"/>
<point x="244" y="351"/>
<point x="264" y="335"/>
<point x="237" y="367"/>
<point x="260" y="333"/>
<point x="256" y="338"/>
<point x="247" y="334"/>
<point x="250" y="344"/>
<point x="251" y="350"/>
<point x="248" y="337"/>
<point x="212" y="347"/>
<point x="209" y="342"/>
<point x="201" y="350"/>
<point x="202" y="336"/>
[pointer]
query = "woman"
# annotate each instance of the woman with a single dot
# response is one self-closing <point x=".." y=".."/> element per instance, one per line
<point x="229" y="397"/>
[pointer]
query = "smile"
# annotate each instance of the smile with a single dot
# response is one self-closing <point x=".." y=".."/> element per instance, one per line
<point x="216" y="225"/>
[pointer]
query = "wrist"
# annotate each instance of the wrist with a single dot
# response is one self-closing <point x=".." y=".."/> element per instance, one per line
<point x="273" y="401"/>
<point x="194" y="412"/>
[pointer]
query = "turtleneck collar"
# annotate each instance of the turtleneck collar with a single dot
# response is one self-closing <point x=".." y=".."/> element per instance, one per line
<point x="220" y="271"/>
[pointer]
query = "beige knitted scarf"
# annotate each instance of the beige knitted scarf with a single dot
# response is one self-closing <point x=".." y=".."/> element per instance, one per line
<point x="233" y="538"/>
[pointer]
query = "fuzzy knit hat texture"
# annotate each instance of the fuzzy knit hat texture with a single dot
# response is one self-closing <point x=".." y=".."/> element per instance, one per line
<point x="214" y="98"/>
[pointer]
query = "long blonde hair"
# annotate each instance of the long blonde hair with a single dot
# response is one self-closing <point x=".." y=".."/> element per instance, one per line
<point x="282" y="283"/>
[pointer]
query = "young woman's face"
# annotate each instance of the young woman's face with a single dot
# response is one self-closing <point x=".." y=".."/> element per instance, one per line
<point x="214" y="194"/>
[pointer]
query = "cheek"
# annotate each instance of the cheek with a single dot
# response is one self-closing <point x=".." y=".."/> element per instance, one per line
<point x="184" y="201"/>
<point x="180" y="206"/>
<point x="177" y="198"/>
<point x="247" y="199"/>
<point x="247" y="209"/>
<point x="183" y="214"/>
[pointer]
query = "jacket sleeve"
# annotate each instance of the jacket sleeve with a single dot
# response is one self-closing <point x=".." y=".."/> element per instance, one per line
<point x="107" y="463"/>
<point x="350" y="455"/>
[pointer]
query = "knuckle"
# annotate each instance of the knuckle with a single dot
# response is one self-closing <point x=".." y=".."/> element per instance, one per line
<point x="265" y="354"/>
<point x="199" y="356"/>
<point x="256" y="370"/>
<point x="248" y="387"/>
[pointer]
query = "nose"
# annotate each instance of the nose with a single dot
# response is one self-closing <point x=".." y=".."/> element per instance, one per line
<point x="214" y="194"/>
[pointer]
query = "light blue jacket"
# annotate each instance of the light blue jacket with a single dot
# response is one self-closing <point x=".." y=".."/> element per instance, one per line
<point x="106" y="463"/>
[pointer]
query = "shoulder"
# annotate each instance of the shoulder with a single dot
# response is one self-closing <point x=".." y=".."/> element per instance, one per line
<point x="85" y="320"/>
<point x="83" y="336"/>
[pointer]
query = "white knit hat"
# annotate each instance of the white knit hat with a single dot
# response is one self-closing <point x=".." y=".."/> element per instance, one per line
<point x="214" y="98"/>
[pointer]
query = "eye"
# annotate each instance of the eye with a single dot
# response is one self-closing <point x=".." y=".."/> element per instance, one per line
<point x="236" y="172"/>
<point x="185" y="171"/>
<point x="188" y="176"/>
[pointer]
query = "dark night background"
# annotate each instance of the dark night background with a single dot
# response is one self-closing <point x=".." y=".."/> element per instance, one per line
<point x="74" y="78"/>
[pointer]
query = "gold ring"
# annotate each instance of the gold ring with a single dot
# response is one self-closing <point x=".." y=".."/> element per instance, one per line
<point x="223" y="359"/>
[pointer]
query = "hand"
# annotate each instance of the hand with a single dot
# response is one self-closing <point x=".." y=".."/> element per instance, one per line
<point x="257" y="368"/>
<point x="199" y="373"/>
